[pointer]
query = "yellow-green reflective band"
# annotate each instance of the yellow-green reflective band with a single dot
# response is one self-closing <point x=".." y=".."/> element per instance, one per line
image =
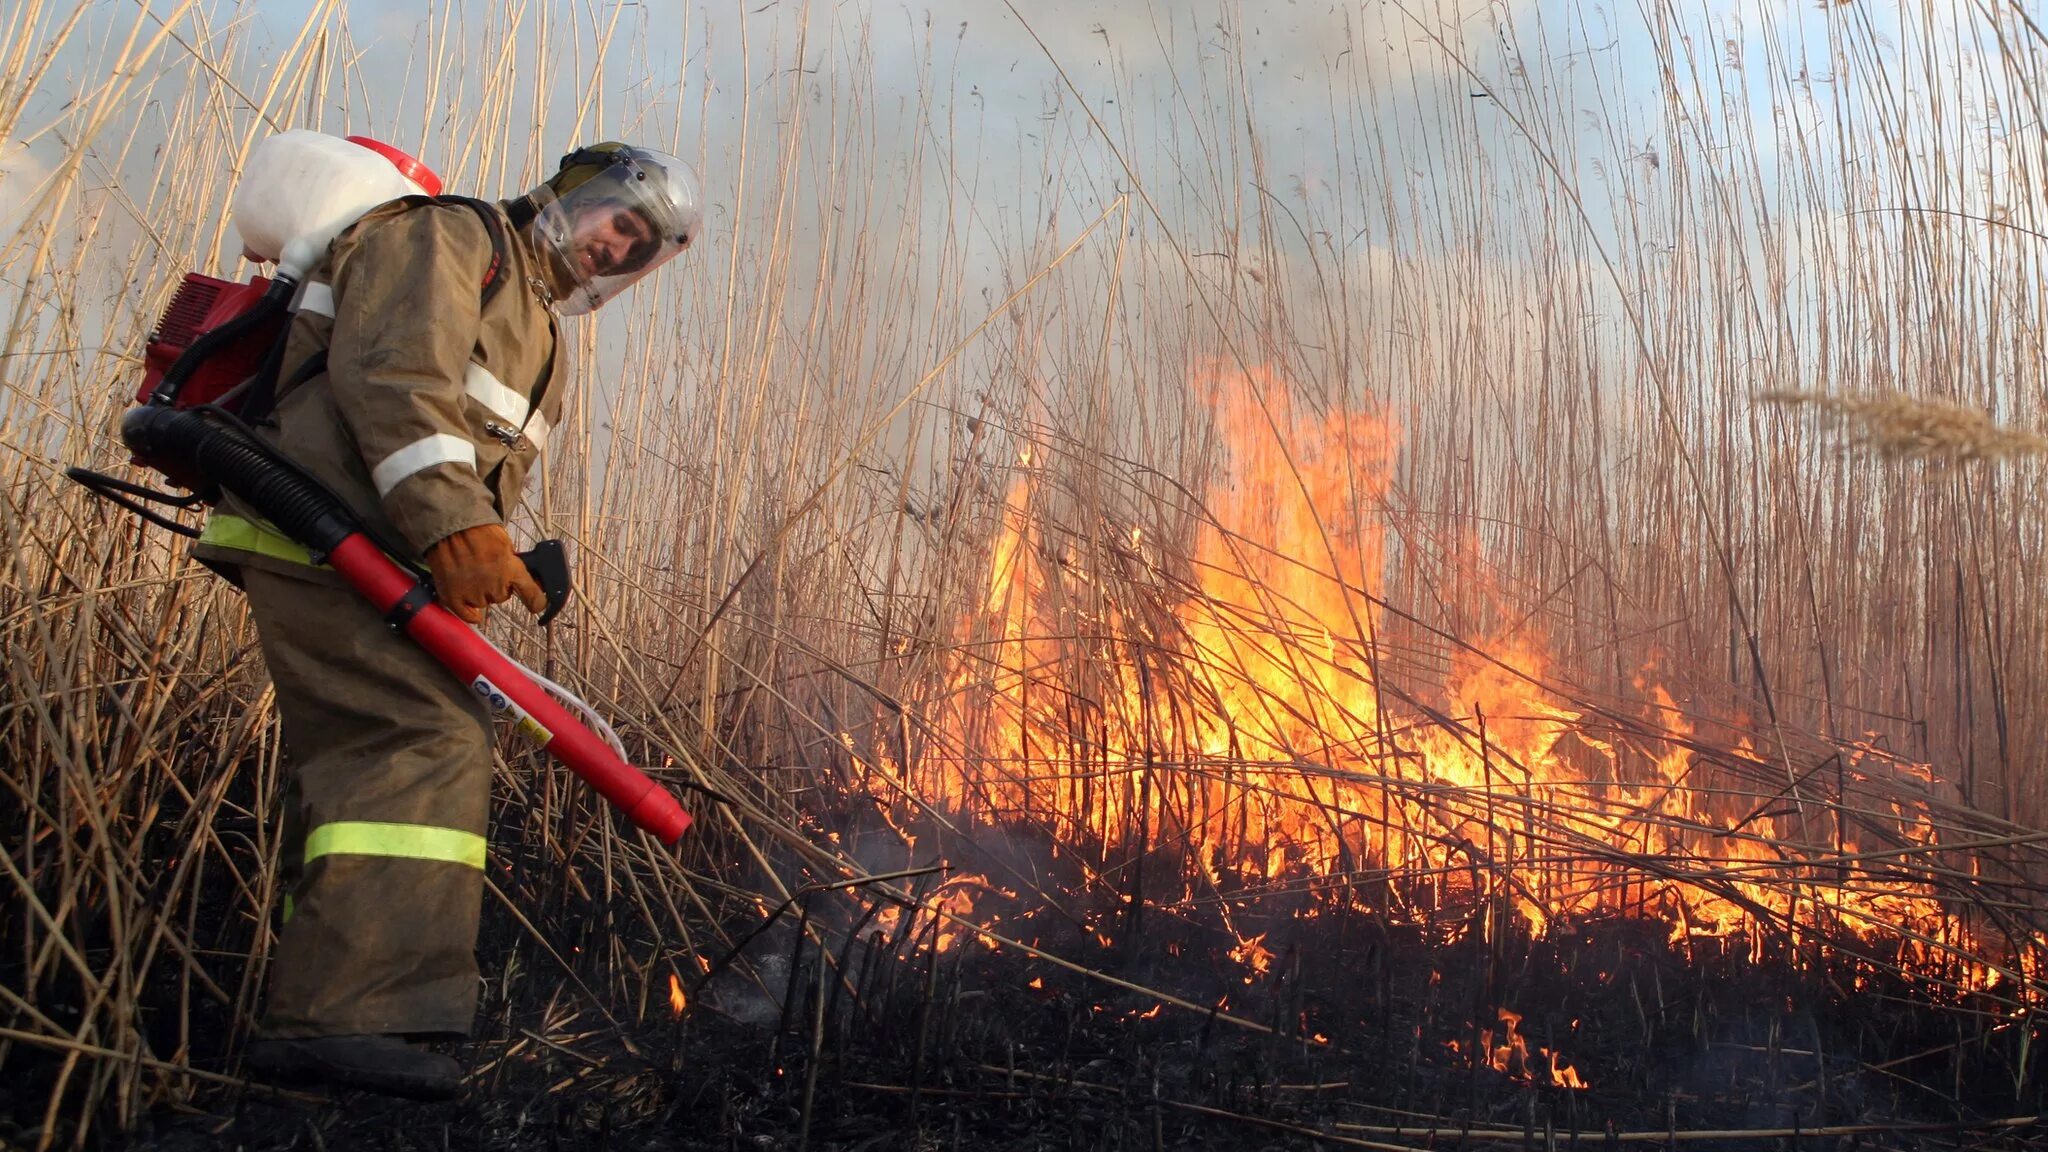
<point x="290" y="906"/>
<point x="226" y="530"/>
<point x="413" y="841"/>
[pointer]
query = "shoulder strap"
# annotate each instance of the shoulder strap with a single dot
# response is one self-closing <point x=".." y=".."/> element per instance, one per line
<point x="494" y="224"/>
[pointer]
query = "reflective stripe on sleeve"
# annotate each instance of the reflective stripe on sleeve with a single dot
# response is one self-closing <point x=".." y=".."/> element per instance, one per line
<point x="440" y="448"/>
<point x="408" y="841"/>
<point x="536" y="431"/>
<point x="316" y="298"/>
<point x="226" y="530"/>
<point x="479" y="385"/>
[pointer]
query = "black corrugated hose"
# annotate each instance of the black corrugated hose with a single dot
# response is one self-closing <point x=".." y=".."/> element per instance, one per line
<point x="225" y="451"/>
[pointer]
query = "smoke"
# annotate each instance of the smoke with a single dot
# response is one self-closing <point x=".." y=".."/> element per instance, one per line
<point x="22" y="175"/>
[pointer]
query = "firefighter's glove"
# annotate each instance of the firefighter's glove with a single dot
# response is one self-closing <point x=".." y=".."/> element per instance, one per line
<point x="476" y="568"/>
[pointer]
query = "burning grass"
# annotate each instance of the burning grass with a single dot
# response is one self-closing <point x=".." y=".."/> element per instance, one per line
<point x="1243" y="711"/>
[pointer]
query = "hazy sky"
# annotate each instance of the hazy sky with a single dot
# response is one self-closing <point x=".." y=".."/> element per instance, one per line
<point x="1327" y="82"/>
<point x="963" y="122"/>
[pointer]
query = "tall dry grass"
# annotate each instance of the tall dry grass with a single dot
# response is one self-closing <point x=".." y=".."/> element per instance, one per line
<point x="786" y="469"/>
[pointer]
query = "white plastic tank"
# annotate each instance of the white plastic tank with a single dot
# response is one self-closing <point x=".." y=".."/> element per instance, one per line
<point x="301" y="188"/>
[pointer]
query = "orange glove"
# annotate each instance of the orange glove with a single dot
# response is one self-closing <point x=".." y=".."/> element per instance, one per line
<point x="476" y="568"/>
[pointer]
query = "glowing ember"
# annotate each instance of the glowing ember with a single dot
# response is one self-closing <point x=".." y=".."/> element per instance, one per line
<point x="676" y="1000"/>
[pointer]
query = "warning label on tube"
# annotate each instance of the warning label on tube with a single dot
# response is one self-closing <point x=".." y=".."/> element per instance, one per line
<point x="509" y="708"/>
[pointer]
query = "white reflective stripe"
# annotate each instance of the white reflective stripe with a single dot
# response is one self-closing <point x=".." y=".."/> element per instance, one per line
<point x="317" y="298"/>
<point x="479" y="385"/>
<point x="537" y="428"/>
<point x="440" y="448"/>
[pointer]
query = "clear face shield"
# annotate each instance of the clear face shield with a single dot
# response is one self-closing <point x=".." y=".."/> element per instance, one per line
<point x="619" y="225"/>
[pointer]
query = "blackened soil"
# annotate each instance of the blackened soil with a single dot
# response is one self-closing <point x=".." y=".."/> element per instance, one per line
<point x="1357" y="1031"/>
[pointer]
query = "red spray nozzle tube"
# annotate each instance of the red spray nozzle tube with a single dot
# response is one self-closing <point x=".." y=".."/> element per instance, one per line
<point x="505" y="687"/>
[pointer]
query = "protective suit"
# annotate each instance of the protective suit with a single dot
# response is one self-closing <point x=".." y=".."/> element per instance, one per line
<point x="431" y="412"/>
<point x="424" y="406"/>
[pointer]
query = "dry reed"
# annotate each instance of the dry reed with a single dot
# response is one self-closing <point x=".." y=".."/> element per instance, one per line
<point x="1899" y="427"/>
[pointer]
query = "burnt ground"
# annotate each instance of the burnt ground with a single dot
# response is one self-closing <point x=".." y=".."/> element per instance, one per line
<point x="1360" y="1034"/>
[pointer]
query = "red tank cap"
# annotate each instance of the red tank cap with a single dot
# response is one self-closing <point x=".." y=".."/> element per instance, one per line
<point x="407" y="167"/>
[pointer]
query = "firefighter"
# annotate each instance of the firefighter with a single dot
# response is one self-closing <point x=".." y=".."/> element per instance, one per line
<point x="422" y="398"/>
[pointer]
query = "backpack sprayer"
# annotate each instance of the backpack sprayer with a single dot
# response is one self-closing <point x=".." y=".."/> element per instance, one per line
<point x="219" y="339"/>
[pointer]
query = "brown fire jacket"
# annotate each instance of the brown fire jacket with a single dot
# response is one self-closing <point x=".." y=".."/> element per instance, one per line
<point x="433" y="406"/>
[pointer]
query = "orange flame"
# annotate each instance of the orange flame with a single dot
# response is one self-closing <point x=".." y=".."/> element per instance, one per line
<point x="676" y="1000"/>
<point x="1510" y="1055"/>
<point x="1253" y="671"/>
<point x="1254" y="955"/>
<point x="957" y="900"/>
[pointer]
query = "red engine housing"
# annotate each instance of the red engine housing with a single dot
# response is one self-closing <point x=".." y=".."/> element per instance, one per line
<point x="200" y="305"/>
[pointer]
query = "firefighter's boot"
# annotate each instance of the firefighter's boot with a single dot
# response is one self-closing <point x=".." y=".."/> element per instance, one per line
<point x="385" y="1064"/>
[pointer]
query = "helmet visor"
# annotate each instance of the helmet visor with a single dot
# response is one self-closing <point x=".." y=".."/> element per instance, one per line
<point x="619" y="225"/>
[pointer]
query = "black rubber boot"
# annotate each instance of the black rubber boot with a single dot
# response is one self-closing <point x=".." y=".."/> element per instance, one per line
<point x="385" y="1064"/>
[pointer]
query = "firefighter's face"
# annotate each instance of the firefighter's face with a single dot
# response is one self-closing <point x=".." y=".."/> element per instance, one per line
<point x="610" y="238"/>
